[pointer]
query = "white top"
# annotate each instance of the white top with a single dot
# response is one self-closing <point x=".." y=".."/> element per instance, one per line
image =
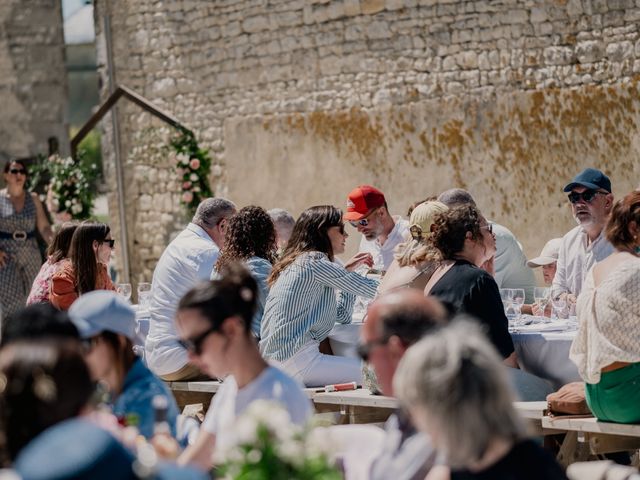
<point x="609" y="321"/>
<point x="187" y="260"/>
<point x="383" y="253"/>
<point x="229" y="402"/>
<point x="576" y="258"/>
<point x="510" y="263"/>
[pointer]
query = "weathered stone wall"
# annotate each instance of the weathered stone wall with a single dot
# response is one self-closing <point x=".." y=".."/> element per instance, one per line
<point x="301" y="100"/>
<point x="33" y="89"/>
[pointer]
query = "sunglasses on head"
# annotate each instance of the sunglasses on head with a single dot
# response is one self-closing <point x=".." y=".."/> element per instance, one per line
<point x="194" y="345"/>
<point x="587" y="196"/>
<point x="16" y="171"/>
<point x="110" y="241"/>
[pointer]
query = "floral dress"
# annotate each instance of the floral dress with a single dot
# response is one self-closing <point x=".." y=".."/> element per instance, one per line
<point x="42" y="284"/>
<point x="23" y="258"/>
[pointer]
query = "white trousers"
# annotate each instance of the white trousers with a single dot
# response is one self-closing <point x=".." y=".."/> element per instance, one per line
<point x="315" y="369"/>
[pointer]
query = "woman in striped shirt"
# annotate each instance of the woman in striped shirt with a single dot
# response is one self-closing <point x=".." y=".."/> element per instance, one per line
<point x="309" y="293"/>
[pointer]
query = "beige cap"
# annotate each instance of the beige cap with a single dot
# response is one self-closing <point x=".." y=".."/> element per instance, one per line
<point x="548" y="255"/>
<point x="422" y="218"/>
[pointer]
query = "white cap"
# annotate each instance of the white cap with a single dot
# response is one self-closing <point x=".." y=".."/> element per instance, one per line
<point x="548" y="255"/>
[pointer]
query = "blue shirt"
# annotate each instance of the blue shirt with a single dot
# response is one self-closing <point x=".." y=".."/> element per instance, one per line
<point x="138" y="390"/>
<point x="302" y="304"/>
<point x="260" y="270"/>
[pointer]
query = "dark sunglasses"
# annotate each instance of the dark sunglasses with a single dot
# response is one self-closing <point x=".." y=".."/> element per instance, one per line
<point x="110" y="241"/>
<point x="363" y="222"/>
<point x="587" y="196"/>
<point x="364" y="349"/>
<point x="194" y="345"/>
<point x="16" y="171"/>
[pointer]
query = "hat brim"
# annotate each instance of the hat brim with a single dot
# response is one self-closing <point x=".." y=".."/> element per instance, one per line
<point x="86" y="329"/>
<point x="589" y="185"/>
<point x="541" y="261"/>
<point x="349" y="216"/>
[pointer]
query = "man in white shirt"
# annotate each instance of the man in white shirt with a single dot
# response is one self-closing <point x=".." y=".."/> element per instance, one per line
<point x="367" y="211"/>
<point x="591" y="202"/>
<point x="187" y="260"/>
<point x="510" y="268"/>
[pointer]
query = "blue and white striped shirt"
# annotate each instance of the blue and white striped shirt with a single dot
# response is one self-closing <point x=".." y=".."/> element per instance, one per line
<point x="302" y="304"/>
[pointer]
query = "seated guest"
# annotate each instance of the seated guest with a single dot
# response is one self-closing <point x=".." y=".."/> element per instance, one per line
<point x="395" y="322"/>
<point x="367" y="212"/>
<point x="509" y="263"/>
<point x="454" y="387"/>
<point x="58" y="250"/>
<point x="38" y="321"/>
<point x="251" y="239"/>
<point x="607" y="346"/>
<point x="86" y="268"/>
<point x="107" y="323"/>
<point x="309" y="294"/>
<point x="188" y="259"/>
<point x="591" y="201"/>
<point x="43" y="383"/>
<point x="412" y="267"/>
<point x="214" y="320"/>
<point x="465" y="241"/>
<point x="284" y="222"/>
<point x="547" y="260"/>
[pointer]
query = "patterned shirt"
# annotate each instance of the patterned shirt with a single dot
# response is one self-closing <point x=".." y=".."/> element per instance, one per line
<point x="303" y="306"/>
<point x="42" y="284"/>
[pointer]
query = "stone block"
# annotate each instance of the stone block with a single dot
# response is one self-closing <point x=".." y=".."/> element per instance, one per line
<point x="369" y="7"/>
<point x="255" y="24"/>
<point x="574" y="8"/>
<point x="467" y="60"/>
<point x="538" y="15"/>
<point x="378" y="29"/>
<point x="589" y="51"/>
<point x="558" y="56"/>
<point x="164" y="87"/>
<point x="617" y="52"/>
<point x="394" y="4"/>
<point x="352" y="8"/>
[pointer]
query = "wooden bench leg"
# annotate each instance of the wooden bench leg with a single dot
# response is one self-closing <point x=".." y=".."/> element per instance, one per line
<point x="572" y="450"/>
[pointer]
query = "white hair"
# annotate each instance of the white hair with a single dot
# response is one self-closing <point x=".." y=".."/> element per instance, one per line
<point x="281" y="217"/>
<point x="456" y="377"/>
<point x="212" y="210"/>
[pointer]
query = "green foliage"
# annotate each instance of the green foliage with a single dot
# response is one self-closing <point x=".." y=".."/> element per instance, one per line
<point x="192" y="165"/>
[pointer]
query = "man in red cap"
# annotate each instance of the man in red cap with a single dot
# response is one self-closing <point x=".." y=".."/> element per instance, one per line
<point x="367" y="212"/>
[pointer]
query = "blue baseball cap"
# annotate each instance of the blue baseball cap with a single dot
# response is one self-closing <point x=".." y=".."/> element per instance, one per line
<point x="100" y="311"/>
<point x="590" y="178"/>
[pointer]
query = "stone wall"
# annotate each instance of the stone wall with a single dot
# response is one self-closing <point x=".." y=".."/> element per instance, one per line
<point x="301" y="100"/>
<point x="33" y="89"/>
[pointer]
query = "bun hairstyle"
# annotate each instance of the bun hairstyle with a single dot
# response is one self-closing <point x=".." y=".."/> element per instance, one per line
<point x="232" y="294"/>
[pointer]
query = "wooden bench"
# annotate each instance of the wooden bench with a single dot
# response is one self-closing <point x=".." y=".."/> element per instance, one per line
<point x="189" y="393"/>
<point x="586" y="437"/>
<point x="356" y="406"/>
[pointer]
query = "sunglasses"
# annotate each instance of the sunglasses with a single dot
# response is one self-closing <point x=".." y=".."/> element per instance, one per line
<point x="194" y="345"/>
<point x="489" y="227"/>
<point x="587" y="196"/>
<point x="110" y="241"/>
<point x="364" y="349"/>
<point x="363" y="222"/>
<point x="16" y="171"/>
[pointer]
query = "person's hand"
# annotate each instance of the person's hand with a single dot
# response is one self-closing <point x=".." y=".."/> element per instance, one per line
<point x="165" y="446"/>
<point x="535" y="310"/>
<point x="3" y="258"/>
<point x="571" y="298"/>
<point x="357" y="260"/>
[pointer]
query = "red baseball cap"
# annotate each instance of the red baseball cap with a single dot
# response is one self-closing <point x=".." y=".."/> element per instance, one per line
<point x="362" y="200"/>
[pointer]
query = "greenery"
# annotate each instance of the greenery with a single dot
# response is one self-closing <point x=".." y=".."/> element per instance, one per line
<point x="192" y="165"/>
<point x="268" y="446"/>
<point x="71" y="188"/>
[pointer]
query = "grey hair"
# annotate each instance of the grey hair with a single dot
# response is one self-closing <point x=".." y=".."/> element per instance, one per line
<point x="456" y="196"/>
<point x="457" y="380"/>
<point x="212" y="210"/>
<point x="281" y="217"/>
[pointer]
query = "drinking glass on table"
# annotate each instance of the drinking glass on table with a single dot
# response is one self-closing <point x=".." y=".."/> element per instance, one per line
<point x="542" y="296"/>
<point x="144" y="295"/>
<point x="124" y="289"/>
<point x="559" y="305"/>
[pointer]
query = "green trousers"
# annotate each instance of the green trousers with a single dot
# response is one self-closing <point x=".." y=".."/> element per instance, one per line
<point x="617" y="397"/>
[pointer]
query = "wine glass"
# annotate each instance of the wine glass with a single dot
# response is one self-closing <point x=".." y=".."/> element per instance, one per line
<point x="541" y="295"/>
<point x="559" y="304"/>
<point x="124" y="289"/>
<point x="144" y="295"/>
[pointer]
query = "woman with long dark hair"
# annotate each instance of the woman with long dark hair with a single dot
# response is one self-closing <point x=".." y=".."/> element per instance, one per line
<point x="302" y="306"/>
<point x="251" y="239"/>
<point x="56" y="253"/>
<point x="86" y="268"/>
<point x="21" y="214"/>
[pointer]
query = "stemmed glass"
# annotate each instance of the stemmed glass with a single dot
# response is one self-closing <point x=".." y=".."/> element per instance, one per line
<point x="124" y="289"/>
<point x="559" y="304"/>
<point x="542" y="295"/>
<point x="144" y="295"/>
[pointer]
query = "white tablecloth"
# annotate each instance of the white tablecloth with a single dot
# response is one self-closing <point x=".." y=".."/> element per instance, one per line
<point x="546" y="354"/>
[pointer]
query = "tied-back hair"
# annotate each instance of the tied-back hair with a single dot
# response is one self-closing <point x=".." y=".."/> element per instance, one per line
<point x="83" y="257"/>
<point x="457" y="379"/>
<point x="232" y="294"/>
<point x="41" y="384"/>
<point x="59" y="248"/>
<point x="250" y="233"/>
<point x="623" y="213"/>
<point x="309" y="235"/>
<point x="451" y="227"/>
<point x="417" y="249"/>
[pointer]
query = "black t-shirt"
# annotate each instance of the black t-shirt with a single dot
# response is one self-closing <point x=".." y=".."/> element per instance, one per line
<point x="468" y="289"/>
<point x="526" y="461"/>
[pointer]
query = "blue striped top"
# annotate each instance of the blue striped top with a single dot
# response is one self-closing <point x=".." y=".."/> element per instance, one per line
<point x="303" y="304"/>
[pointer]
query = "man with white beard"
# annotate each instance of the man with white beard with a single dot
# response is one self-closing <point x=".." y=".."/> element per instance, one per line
<point x="591" y="201"/>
